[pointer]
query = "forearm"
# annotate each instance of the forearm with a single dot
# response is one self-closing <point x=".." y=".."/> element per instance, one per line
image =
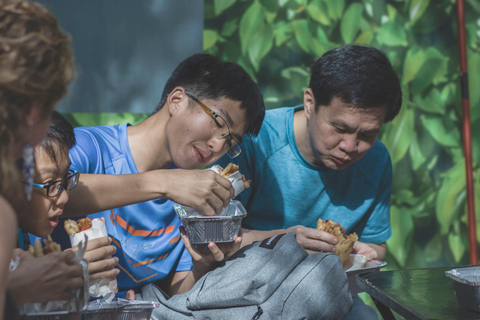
<point x="99" y="192"/>
<point x="185" y="283"/>
<point x="250" y="236"/>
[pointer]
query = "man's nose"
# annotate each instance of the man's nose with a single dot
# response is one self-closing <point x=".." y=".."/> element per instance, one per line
<point x="217" y="144"/>
<point x="349" y="144"/>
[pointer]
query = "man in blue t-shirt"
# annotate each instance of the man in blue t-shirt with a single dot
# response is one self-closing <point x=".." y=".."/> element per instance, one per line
<point x="322" y="159"/>
<point x="207" y="107"/>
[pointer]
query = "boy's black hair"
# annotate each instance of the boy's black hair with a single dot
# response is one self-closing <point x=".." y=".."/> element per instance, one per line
<point x="356" y="74"/>
<point x="207" y="77"/>
<point x="60" y="133"/>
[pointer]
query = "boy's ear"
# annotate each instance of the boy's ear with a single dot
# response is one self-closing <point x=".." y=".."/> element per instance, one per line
<point x="175" y="98"/>
<point x="308" y="102"/>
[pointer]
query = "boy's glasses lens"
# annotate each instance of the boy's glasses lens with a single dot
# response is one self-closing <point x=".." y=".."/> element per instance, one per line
<point x="69" y="183"/>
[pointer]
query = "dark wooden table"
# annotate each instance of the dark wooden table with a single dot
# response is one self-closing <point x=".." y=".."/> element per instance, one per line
<point x="414" y="294"/>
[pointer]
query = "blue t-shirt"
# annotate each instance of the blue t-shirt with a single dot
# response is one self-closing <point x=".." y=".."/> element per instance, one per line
<point x="147" y="235"/>
<point x="286" y="190"/>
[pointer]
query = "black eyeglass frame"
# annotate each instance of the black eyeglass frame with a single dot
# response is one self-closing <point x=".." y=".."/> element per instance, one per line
<point x="231" y="152"/>
<point x="63" y="183"/>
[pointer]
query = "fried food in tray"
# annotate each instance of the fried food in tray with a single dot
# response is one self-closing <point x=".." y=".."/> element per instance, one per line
<point x="39" y="250"/>
<point x="345" y="242"/>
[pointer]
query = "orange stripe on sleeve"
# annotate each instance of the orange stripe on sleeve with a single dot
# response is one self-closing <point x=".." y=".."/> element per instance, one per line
<point x="173" y="240"/>
<point x="143" y="233"/>
<point x="136" y="281"/>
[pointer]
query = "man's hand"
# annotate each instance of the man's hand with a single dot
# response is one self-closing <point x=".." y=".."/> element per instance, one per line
<point x="206" y="258"/>
<point x="98" y="254"/>
<point x="204" y="190"/>
<point x="370" y="250"/>
<point x="48" y="278"/>
<point x="314" y="240"/>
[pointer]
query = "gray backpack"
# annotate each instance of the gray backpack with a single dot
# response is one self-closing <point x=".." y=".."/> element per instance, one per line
<point x="272" y="279"/>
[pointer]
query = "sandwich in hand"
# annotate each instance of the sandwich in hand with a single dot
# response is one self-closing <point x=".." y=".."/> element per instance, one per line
<point x="72" y="227"/>
<point x="345" y="242"/>
<point x="230" y="169"/>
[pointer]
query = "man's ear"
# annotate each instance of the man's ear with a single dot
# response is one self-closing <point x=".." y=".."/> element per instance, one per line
<point x="309" y="103"/>
<point x="174" y="99"/>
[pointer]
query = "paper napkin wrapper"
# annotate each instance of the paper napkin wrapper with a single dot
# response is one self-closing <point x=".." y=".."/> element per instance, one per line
<point x="235" y="179"/>
<point x="106" y="287"/>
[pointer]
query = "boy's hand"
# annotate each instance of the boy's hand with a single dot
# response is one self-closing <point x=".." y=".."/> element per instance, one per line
<point x="98" y="254"/>
<point x="204" y="190"/>
<point x="206" y="258"/>
<point x="47" y="278"/>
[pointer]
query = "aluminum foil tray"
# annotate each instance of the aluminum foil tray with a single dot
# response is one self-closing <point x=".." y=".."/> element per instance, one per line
<point x="352" y="269"/>
<point x="466" y="283"/>
<point x="220" y="228"/>
<point x="119" y="309"/>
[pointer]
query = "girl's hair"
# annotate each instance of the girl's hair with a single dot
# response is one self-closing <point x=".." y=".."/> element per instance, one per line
<point x="36" y="65"/>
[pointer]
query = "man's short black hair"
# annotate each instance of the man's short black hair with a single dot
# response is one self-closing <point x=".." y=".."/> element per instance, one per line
<point x="207" y="77"/>
<point x="60" y="133"/>
<point x="356" y="74"/>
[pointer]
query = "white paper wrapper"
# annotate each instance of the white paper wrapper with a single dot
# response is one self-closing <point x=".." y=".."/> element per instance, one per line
<point x="355" y="262"/>
<point x="235" y="179"/>
<point x="107" y="287"/>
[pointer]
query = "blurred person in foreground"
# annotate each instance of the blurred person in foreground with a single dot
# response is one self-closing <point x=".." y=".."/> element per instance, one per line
<point x="36" y="65"/>
<point x="34" y="280"/>
<point x="206" y="108"/>
<point x="322" y="159"/>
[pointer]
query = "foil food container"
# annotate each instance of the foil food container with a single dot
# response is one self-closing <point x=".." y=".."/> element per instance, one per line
<point x="220" y="228"/>
<point x="466" y="283"/>
<point x="358" y="264"/>
<point x="119" y="309"/>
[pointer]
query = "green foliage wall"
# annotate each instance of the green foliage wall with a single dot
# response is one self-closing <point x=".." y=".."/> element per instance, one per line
<point x="277" y="41"/>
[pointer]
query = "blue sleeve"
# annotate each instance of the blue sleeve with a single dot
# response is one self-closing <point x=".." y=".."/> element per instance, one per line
<point x="85" y="154"/>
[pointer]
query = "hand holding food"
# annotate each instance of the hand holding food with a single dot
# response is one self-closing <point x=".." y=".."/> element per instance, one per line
<point x="345" y="243"/>
<point x="46" y="274"/>
<point x="232" y="173"/>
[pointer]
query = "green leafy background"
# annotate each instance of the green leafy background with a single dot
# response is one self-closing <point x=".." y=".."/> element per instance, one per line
<point x="278" y="40"/>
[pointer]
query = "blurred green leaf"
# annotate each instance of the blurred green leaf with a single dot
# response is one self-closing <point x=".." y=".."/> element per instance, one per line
<point x="474" y="83"/>
<point x="93" y="119"/>
<point x="297" y="77"/>
<point x="440" y="131"/>
<point x="413" y="61"/>
<point x="449" y="196"/>
<point x="350" y="24"/>
<point x="457" y="246"/>
<point x="335" y="8"/>
<point x="432" y="103"/>
<point x="229" y="27"/>
<point x="402" y="229"/>
<point x="260" y="45"/>
<point x="318" y="11"/>
<point x="222" y="5"/>
<point x="391" y="34"/>
<point x="433" y="249"/>
<point x="417" y="8"/>
<point x="210" y="38"/>
<point x="282" y="32"/>
<point x="251" y="22"/>
<point x="398" y="136"/>
<point x="416" y="154"/>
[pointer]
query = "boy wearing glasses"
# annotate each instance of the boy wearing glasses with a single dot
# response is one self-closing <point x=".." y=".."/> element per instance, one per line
<point x="51" y="277"/>
<point x="206" y="108"/>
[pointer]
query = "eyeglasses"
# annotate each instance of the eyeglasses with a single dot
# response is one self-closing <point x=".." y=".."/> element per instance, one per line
<point x="220" y="129"/>
<point x="54" y="188"/>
